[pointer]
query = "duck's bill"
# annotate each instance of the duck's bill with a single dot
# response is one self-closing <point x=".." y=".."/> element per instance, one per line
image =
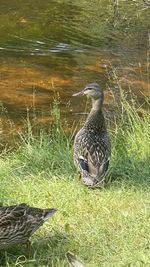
<point x="52" y="211"/>
<point x="79" y="93"/>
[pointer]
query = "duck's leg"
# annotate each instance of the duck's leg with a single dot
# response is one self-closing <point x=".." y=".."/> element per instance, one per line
<point x="79" y="176"/>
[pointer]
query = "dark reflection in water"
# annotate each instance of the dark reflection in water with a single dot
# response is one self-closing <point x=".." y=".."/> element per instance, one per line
<point x="56" y="47"/>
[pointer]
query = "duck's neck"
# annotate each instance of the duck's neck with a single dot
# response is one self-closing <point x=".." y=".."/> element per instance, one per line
<point x="97" y="104"/>
<point x="95" y="118"/>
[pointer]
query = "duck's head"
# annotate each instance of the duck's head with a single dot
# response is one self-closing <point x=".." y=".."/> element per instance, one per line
<point x="93" y="90"/>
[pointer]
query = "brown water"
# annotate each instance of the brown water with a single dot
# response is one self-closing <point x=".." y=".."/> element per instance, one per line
<point x="56" y="47"/>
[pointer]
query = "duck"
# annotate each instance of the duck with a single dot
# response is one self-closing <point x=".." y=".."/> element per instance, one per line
<point x="19" y="222"/>
<point x="92" y="145"/>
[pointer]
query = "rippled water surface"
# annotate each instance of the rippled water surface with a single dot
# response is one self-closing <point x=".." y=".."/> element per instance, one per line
<point x="51" y="48"/>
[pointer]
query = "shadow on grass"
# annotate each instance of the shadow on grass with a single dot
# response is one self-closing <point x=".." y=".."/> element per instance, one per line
<point x="129" y="171"/>
<point x="45" y="251"/>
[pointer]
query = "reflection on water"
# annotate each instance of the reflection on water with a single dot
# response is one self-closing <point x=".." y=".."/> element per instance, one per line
<point x="56" y="47"/>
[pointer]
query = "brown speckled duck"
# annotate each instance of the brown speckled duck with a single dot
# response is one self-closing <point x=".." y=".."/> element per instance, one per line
<point x="19" y="222"/>
<point x="92" y="147"/>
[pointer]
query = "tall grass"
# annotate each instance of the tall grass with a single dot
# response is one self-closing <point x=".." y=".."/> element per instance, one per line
<point x="131" y="138"/>
<point x="107" y="227"/>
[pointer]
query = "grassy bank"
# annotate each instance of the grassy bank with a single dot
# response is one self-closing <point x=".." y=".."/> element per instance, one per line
<point x="109" y="227"/>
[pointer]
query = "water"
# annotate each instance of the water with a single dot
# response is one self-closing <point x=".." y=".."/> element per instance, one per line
<point x="56" y="47"/>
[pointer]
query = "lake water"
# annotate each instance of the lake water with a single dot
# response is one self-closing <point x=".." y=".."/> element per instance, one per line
<point x="51" y="49"/>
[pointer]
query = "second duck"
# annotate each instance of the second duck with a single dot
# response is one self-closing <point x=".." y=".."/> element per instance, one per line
<point x="92" y="147"/>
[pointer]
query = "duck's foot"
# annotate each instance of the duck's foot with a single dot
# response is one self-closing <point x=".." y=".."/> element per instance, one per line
<point x="79" y="176"/>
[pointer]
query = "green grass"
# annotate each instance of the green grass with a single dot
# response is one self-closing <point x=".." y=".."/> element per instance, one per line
<point x="109" y="227"/>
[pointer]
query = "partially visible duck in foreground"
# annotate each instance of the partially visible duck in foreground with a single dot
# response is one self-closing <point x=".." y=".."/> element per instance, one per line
<point x="92" y="147"/>
<point x="19" y="222"/>
<point x="72" y="259"/>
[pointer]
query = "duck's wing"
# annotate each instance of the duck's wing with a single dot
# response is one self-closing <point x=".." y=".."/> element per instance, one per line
<point x="18" y="223"/>
<point x="93" y="156"/>
<point x="11" y="214"/>
<point x="12" y="222"/>
<point x="98" y="158"/>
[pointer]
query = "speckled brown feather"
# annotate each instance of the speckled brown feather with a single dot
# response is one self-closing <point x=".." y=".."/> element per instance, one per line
<point x="19" y="222"/>
<point x="92" y="148"/>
